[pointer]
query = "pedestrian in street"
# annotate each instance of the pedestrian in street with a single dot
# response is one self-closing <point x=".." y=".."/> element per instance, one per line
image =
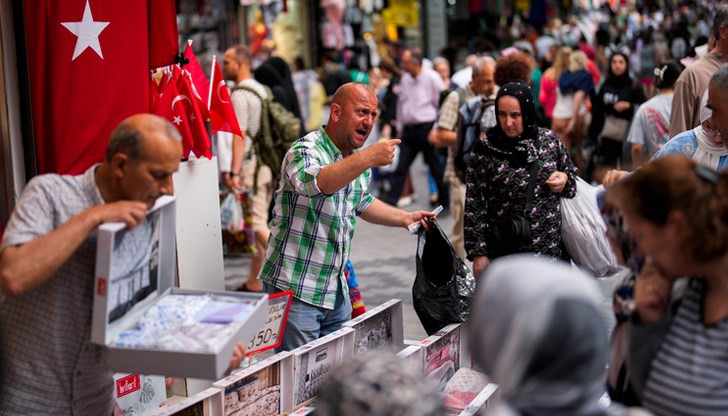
<point x="538" y="331"/>
<point x="47" y="256"/>
<point x="246" y="170"/>
<point x="694" y="80"/>
<point x="445" y="135"/>
<point x="677" y="213"/>
<point x="650" y="128"/>
<point x="513" y="153"/>
<point x="417" y="106"/>
<point x="323" y="188"/>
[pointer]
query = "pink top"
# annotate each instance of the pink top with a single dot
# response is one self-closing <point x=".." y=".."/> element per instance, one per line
<point x="547" y="95"/>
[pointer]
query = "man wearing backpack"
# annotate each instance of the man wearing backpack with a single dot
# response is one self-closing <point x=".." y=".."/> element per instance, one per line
<point x="446" y="133"/>
<point x="324" y="187"/>
<point x="247" y="102"/>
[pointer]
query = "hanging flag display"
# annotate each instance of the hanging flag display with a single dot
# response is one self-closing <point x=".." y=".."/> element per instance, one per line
<point x="88" y="64"/>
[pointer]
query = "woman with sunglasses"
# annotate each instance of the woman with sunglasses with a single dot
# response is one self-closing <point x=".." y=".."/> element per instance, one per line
<point x="704" y="144"/>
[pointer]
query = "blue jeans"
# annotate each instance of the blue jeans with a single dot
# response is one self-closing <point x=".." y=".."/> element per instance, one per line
<point x="307" y="322"/>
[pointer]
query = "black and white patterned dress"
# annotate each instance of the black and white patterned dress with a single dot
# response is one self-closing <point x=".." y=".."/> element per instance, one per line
<point x="497" y="186"/>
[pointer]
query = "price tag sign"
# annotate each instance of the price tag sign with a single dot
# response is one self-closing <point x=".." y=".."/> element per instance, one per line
<point x="270" y="335"/>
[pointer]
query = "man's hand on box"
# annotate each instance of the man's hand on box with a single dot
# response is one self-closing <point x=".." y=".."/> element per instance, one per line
<point x="238" y="357"/>
<point x="130" y="212"/>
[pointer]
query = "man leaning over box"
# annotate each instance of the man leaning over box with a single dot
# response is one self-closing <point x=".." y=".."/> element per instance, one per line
<point x="323" y="188"/>
<point x="47" y="263"/>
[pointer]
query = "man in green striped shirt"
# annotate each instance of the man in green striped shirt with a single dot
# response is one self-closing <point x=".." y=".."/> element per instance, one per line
<point x="323" y="187"/>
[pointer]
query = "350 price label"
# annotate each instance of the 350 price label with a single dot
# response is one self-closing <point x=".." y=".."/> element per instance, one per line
<point x="269" y="335"/>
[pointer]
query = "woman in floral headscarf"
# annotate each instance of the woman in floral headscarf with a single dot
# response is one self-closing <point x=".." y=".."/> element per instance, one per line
<point x="498" y="175"/>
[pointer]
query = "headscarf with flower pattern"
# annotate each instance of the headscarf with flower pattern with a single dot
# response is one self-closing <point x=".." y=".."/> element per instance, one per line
<point x="515" y="148"/>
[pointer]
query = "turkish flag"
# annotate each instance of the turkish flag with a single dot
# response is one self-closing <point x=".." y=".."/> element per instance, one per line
<point x="175" y="108"/>
<point x="195" y="119"/>
<point x="164" y="40"/>
<point x="199" y="80"/>
<point x="222" y="114"/>
<point x="88" y="65"/>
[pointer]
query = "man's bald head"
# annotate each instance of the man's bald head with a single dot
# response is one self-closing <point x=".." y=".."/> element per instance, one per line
<point x="130" y="136"/>
<point x="348" y="91"/>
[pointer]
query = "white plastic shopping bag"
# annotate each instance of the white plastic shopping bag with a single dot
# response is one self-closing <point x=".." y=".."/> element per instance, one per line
<point x="584" y="232"/>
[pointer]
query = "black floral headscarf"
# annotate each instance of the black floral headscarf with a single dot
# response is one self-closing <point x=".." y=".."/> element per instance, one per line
<point x="515" y="148"/>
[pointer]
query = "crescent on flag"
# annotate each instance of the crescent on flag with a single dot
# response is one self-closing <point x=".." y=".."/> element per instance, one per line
<point x="221" y="84"/>
<point x="180" y="98"/>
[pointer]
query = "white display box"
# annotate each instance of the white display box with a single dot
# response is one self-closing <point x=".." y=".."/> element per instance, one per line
<point x="205" y="403"/>
<point x="137" y="394"/>
<point x="380" y="328"/>
<point x="314" y="361"/>
<point x="444" y="353"/>
<point x="486" y="399"/>
<point x="263" y="389"/>
<point x="414" y="354"/>
<point x="135" y="271"/>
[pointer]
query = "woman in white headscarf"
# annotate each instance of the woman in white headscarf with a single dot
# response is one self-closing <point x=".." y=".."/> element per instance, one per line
<point x="703" y="144"/>
<point x="543" y="340"/>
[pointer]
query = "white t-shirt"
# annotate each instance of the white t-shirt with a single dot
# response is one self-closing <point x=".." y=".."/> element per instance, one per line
<point x="651" y="124"/>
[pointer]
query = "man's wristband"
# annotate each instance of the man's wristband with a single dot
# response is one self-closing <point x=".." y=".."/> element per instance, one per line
<point x="232" y="175"/>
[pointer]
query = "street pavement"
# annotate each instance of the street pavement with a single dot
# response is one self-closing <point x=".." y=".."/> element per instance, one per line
<point x="384" y="261"/>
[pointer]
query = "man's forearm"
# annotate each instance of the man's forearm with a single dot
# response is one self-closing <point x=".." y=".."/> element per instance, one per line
<point x="336" y="176"/>
<point x="31" y="264"/>
<point x="238" y="153"/>
<point x="383" y="214"/>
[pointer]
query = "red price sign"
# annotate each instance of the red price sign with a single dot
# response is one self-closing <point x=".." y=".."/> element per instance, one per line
<point x="270" y="335"/>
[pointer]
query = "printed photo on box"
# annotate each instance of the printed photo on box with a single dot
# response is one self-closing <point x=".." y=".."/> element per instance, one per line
<point x="442" y="357"/>
<point x="135" y="264"/>
<point x="374" y="333"/>
<point x="256" y="395"/>
<point x="311" y="368"/>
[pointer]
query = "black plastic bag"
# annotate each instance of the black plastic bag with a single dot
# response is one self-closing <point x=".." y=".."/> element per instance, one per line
<point x="444" y="285"/>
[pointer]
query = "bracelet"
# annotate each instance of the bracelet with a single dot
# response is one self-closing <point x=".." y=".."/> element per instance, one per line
<point x="232" y="175"/>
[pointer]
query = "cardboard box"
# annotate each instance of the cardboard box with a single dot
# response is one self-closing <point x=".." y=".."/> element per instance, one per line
<point x="313" y="361"/>
<point x="135" y="274"/>
<point x="380" y="328"/>
<point x="263" y="389"/>
<point x="137" y="394"/>
<point x="205" y="403"/>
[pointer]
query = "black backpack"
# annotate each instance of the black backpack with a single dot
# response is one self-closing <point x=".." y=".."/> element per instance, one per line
<point x="468" y="131"/>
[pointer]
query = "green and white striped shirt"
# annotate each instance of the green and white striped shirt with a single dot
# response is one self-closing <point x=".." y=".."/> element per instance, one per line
<point x="311" y="232"/>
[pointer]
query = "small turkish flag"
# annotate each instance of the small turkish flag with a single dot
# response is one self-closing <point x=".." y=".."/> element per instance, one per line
<point x="222" y="114"/>
<point x="175" y="107"/>
<point x="199" y="80"/>
<point x="195" y="121"/>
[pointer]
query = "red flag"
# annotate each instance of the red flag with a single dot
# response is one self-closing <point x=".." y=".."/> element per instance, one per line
<point x="163" y="38"/>
<point x="222" y="114"/>
<point x="199" y="80"/>
<point x="88" y="63"/>
<point x="153" y="92"/>
<point x="196" y="93"/>
<point x="195" y="122"/>
<point x="174" y="107"/>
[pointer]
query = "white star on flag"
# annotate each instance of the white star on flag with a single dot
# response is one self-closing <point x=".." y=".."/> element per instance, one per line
<point x="87" y="32"/>
<point x="177" y="120"/>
